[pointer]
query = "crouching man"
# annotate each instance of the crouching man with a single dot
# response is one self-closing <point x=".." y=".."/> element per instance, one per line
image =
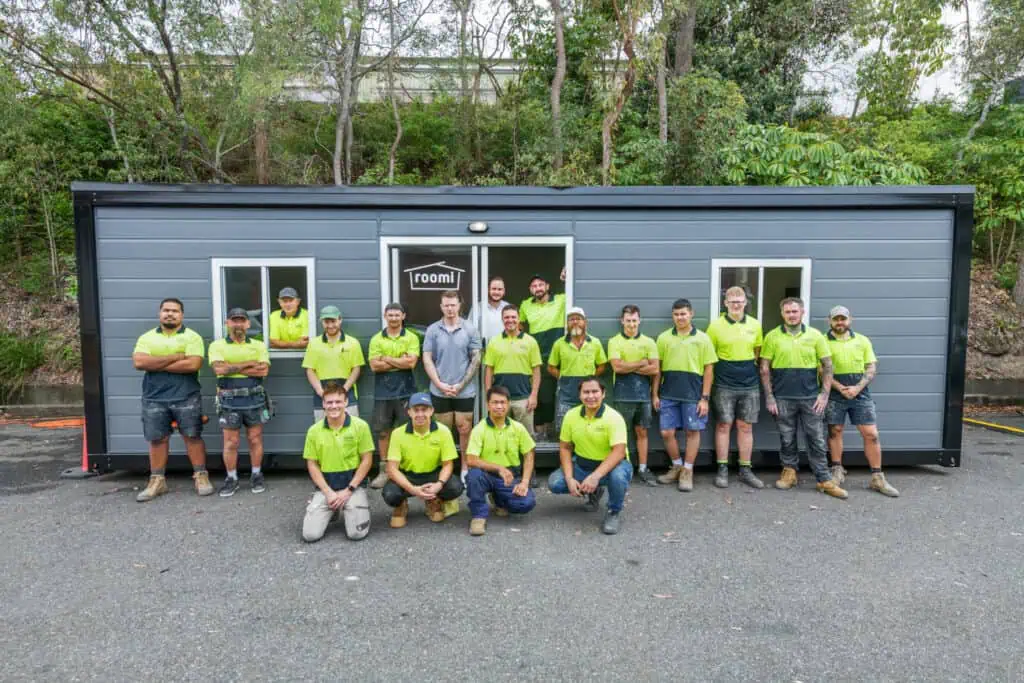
<point x="500" y="458"/>
<point x="338" y="454"/>
<point x="592" y="453"/>
<point x="421" y="462"/>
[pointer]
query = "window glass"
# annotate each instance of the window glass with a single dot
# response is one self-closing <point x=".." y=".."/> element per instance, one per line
<point x="243" y="287"/>
<point x="287" y="276"/>
<point x="779" y="283"/>
<point x="747" y="278"/>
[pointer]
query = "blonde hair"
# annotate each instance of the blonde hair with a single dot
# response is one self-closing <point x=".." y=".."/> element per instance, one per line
<point x="732" y="291"/>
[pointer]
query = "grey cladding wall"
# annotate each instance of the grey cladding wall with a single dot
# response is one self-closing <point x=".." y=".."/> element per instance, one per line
<point x="891" y="267"/>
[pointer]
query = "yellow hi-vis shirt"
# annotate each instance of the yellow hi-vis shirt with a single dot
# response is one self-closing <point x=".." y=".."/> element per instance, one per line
<point x="504" y="446"/>
<point x="334" y="359"/>
<point x="513" y="360"/>
<point x="289" y="329"/>
<point x="593" y="437"/>
<point x="734" y="342"/>
<point x="849" y="358"/>
<point x="421" y="453"/>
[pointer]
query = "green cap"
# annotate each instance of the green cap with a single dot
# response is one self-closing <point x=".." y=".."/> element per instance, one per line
<point x="330" y="313"/>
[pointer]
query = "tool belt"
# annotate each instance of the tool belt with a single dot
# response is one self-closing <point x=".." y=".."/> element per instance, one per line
<point x="244" y="391"/>
<point x="224" y="396"/>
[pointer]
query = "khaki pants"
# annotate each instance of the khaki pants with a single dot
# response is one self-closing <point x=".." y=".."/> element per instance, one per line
<point x="318" y="414"/>
<point x="356" y="514"/>
<point x="522" y="415"/>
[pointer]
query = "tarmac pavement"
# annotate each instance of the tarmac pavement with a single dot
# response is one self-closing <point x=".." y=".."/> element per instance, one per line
<point x="732" y="585"/>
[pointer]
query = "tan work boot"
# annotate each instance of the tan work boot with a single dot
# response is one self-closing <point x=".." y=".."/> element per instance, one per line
<point x="497" y="511"/>
<point x="672" y="475"/>
<point x="878" y="483"/>
<point x="381" y="478"/>
<point x="788" y="479"/>
<point x="201" y="480"/>
<point x="399" y="516"/>
<point x="451" y="507"/>
<point x="686" y="480"/>
<point x="832" y="489"/>
<point x="838" y="473"/>
<point x="157" y="486"/>
<point x="435" y="510"/>
<point x="477" y="526"/>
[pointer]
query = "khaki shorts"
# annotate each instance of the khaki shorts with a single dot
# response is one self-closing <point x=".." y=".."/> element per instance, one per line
<point x="521" y="415"/>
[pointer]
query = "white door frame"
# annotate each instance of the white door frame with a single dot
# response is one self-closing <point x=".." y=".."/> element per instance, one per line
<point x="804" y="264"/>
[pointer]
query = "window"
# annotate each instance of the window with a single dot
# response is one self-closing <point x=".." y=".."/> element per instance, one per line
<point x="253" y="284"/>
<point x="766" y="282"/>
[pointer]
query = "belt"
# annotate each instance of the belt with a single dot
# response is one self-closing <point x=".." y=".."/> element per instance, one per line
<point x="232" y="393"/>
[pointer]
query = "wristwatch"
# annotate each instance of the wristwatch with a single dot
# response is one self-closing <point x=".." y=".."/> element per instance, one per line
<point x="351" y="488"/>
<point x="705" y="397"/>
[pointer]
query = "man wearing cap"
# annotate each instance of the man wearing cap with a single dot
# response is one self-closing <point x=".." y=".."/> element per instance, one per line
<point x="240" y="365"/>
<point x="513" y="361"/>
<point x="790" y="359"/>
<point x="393" y="353"/>
<point x="634" y="360"/>
<point x="333" y="357"/>
<point x="500" y="457"/>
<point x="487" y="318"/>
<point x="421" y="463"/>
<point x="735" y="393"/>
<point x="687" y="369"/>
<point x="171" y="356"/>
<point x="573" y="357"/>
<point x="338" y="455"/>
<point x="855" y="365"/>
<point x="289" y="325"/>
<point x="543" y="316"/>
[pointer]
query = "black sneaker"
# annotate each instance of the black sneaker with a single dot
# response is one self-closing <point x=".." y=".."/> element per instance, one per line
<point x="228" y="488"/>
<point x="256" y="484"/>
<point x="648" y="478"/>
<point x="612" y="523"/>
<point x="594" y="499"/>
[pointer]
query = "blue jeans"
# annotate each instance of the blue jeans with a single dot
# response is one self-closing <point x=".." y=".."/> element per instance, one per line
<point x="617" y="480"/>
<point x="480" y="482"/>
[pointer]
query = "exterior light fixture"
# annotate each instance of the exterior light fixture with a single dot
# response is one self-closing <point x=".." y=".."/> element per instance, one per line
<point x="478" y="226"/>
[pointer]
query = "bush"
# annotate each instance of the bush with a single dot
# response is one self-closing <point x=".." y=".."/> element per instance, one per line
<point x="19" y="356"/>
<point x="1006" y="276"/>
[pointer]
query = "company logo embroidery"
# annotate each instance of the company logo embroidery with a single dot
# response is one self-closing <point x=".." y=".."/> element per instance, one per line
<point x="434" y="277"/>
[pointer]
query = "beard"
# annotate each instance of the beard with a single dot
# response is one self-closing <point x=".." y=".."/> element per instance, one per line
<point x="168" y="326"/>
<point x="577" y="331"/>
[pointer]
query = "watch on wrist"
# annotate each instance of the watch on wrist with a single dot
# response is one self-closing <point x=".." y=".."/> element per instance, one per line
<point x="705" y="397"/>
<point x="351" y="488"/>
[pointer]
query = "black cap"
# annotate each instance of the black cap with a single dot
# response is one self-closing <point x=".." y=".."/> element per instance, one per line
<point x="238" y="312"/>
<point x="537" y="276"/>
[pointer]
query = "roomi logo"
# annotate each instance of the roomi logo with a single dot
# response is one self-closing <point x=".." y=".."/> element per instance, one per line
<point x="435" y="276"/>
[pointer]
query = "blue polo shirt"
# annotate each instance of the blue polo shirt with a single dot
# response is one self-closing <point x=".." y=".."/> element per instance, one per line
<point x="163" y="386"/>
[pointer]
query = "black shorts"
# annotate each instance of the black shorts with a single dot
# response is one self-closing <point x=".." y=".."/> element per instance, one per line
<point x="388" y="413"/>
<point x="444" y="404"/>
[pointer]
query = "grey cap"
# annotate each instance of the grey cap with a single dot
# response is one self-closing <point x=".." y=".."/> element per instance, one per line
<point x="330" y="313"/>
<point x="238" y="312"/>
<point x="576" y="310"/>
<point x="420" y="399"/>
<point x="839" y="311"/>
<point x="288" y="293"/>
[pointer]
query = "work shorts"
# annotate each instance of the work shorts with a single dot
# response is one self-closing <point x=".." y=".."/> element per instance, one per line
<point x="236" y="418"/>
<point x="157" y="417"/>
<point x="736" y="404"/>
<point x="636" y="414"/>
<point x="678" y="415"/>
<point x="389" y="412"/>
<point x="445" y="404"/>
<point x="861" y="411"/>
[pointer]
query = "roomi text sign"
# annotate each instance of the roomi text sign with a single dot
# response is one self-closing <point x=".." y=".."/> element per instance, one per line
<point x="435" y="276"/>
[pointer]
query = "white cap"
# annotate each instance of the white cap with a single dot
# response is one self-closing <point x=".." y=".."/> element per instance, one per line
<point x="576" y="310"/>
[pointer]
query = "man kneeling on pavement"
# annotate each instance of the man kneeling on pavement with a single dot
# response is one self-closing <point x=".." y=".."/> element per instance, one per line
<point x="421" y="463"/>
<point x="500" y="456"/>
<point x="338" y="454"/>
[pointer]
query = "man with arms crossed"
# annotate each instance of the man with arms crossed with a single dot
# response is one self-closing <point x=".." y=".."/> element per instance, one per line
<point x="634" y="360"/>
<point x="240" y="365"/>
<point x="735" y="397"/>
<point x="393" y="353"/>
<point x="171" y="356"/>
<point x="333" y="357"/>
<point x="790" y="357"/>
<point x="855" y="364"/>
<point x="421" y="463"/>
<point x="338" y="455"/>
<point x="687" y="369"/>
<point x="289" y="325"/>
<point x="500" y="457"/>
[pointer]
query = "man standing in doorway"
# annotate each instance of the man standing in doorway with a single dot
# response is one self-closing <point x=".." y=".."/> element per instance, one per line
<point x="289" y="325"/>
<point x="487" y="318"/>
<point x="393" y="353"/>
<point x="634" y="360"/>
<point x="687" y="369"/>
<point x="543" y="316"/>
<point x="513" y="361"/>
<point x="240" y="365"/>
<point x="333" y="357"/>
<point x="855" y="364"/>
<point x="790" y="358"/>
<point x="574" y="357"/>
<point x="171" y="356"/>
<point x="451" y="358"/>
<point x="735" y="396"/>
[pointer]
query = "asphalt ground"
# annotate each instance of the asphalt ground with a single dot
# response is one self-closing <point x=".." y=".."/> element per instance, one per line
<point x="714" y="585"/>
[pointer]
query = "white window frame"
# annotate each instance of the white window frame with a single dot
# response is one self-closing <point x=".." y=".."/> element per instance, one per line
<point x="716" y="279"/>
<point x="217" y="266"/>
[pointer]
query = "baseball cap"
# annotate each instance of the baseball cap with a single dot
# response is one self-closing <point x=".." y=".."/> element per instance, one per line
<point x="420" y="399"/>
<point x="238" y="312"/>
<point x="288" y="293"/>
<point x="537" y="276"/>
<point x="330" y="313"/>
<point x="839" y="311"/>
<point x="576" y="310"/>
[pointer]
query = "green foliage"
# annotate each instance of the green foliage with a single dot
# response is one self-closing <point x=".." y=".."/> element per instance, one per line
<point x="705" y="114"/>
<point x="19" y="356"/>
<point x="1006" y="276"/>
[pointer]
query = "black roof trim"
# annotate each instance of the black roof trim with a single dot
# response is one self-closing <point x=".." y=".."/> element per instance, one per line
<point x="446" y="197"/>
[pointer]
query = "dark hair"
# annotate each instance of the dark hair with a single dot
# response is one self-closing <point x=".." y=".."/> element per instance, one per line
<point x="591" y="378"/>
<point x="451" y="294"/>
<point x="495" y="277"/>
<point x="681" y="303"/>
<point x="791" y="300"/>
<point x="394" y="306"/>
<point x="630" y="308"/>
<point x="509" y="307"/>
<point x="332" y="387"/>
<point x="496" y="390"/>
<point x="172" y="300"/>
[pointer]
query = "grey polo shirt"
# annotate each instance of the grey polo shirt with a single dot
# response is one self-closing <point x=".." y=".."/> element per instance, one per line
<point x="451" y="351"/>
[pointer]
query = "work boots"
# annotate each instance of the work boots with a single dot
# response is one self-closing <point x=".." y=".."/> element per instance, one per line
<point x="381" y="478"/>
<point x="878" y="483"/>
<point x="477" y="526"/>
<point x="722" y="476"/>
<point x="686" y="480"/>
<point x="201" y="480"/>
<point x="788" y="479"/>
<point x="838" y="473"/>
<point x="832" y="489"/>
<point x="157" y="487"/>
<point x="435" y="510"/>
<point x="400" y="515"/>
<point x="451" y="507"/>
<point x="671" y="476"/>
<point x="747" y="476"/>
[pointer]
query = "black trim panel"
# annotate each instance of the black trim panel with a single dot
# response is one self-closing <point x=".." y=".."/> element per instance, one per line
<point x="89" y="325"/>
<point x="956" y="339"/>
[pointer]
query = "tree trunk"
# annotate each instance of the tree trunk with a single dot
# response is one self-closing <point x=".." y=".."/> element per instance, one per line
<point x="108" y="114"/>
<point x="261" y="149"/>
<point x="662" y="97"/>
<point x="1018" y="289"/>
<point x="556" y="82"/>
<point x="687" y="24"/>
<point x="393" y="153"/>
<point x="612" y="117"/>
<point x="344" y="105"/>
